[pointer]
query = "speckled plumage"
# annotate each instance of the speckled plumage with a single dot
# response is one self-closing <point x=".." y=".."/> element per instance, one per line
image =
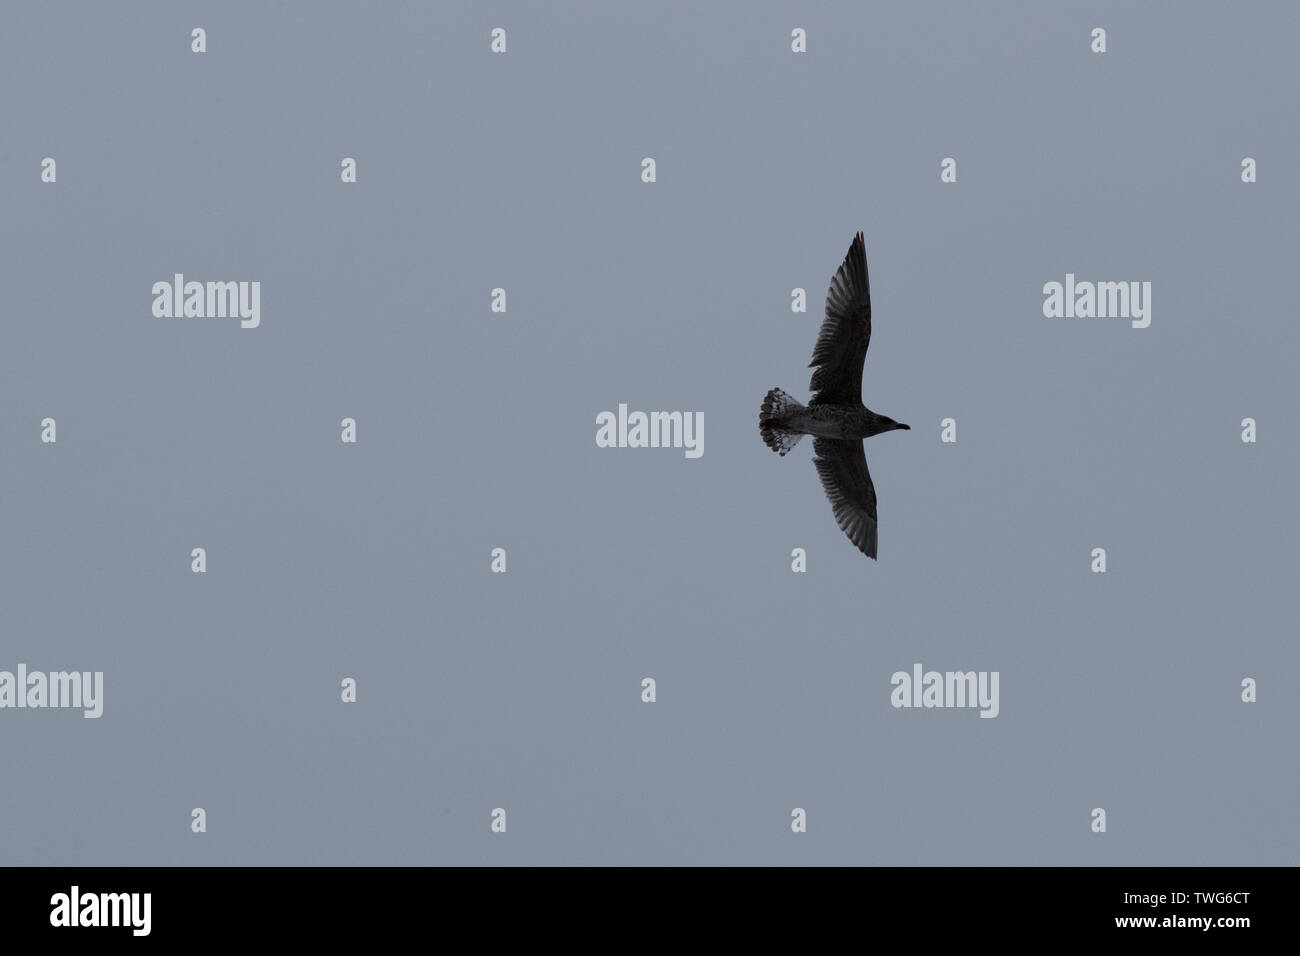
<point x="835" y="415"/>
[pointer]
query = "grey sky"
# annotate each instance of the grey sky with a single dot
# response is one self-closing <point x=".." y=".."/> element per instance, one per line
<point x="477" y="430"/>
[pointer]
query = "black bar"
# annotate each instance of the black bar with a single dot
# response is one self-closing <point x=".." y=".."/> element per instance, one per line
<point x="370" y="905"/>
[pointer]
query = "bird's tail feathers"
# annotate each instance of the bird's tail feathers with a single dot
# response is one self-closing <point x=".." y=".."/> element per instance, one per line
<point x="776" y="406"/>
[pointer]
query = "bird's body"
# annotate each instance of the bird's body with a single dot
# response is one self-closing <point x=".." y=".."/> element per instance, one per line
<point x="837" y="421"/>
<point x="836" y="416"/>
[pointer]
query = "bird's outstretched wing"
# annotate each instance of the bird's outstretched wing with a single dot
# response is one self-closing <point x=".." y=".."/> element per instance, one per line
<point x="842" y="465"/>
<point x="845" y="334"/>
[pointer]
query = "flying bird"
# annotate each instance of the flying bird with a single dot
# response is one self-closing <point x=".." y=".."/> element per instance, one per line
<point x="835" y="415"/>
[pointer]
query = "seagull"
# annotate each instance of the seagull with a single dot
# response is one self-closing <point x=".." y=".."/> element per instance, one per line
<point x="835" y="415"/>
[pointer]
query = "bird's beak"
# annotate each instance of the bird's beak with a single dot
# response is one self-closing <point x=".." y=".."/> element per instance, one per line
<point x="906" y="427"/>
